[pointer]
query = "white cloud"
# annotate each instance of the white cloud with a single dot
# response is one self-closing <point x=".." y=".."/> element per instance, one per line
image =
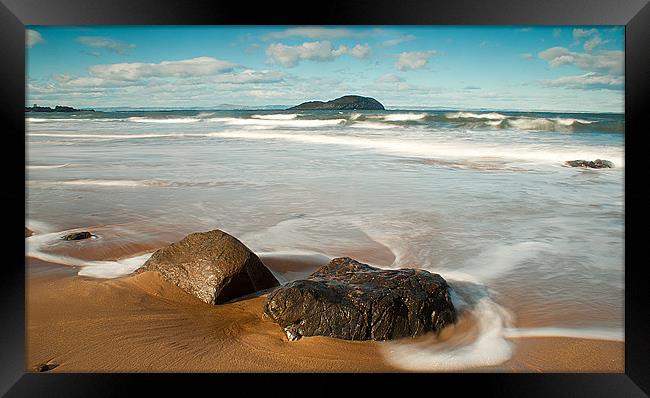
<point x="290" y="56"/>
<point x="605" y="61"/>
<point x="202" y="66"/>
<point x="398" y="40"/>
<point x="106" y="43"/>
<point x="32" y="38"/>
<point x="390" y="78"/>
<point x="360" y="51"/>
<point x="250" y="76"/>
<point x="590" y="80"/>
<point x="592" y="43"/>
<point x="414" y="60"/>
<point x="582" y="33"/>
<point x="314" y="33"/>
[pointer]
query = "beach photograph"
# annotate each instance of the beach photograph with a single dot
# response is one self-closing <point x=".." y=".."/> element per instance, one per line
<point x="287" y="199"/>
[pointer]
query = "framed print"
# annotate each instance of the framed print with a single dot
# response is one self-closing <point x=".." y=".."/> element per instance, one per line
<point x="217" y="189"/>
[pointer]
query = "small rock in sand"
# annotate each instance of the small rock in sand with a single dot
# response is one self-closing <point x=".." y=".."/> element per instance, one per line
<point x="78" y="235"/>
<point x="596" y="164"/>
<point x="28" y="232"/>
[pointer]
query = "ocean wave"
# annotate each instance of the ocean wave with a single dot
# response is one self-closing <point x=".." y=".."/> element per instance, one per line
<point x="470" y="115"/>
<point x="276" y="116"/>
<point x="438" y="149"/>
<point x="544" y="124"/>
<point x="279" y="123"/>
<point x="141" y="119"/>
<point x="79" y="119"/>
<point x="372" y="125"/>
<point x="403" y="117"/>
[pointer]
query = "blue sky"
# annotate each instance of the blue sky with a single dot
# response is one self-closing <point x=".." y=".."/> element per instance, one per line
<point x="517" y="67"/>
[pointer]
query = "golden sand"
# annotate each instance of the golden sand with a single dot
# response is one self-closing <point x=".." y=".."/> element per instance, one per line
<point x="143" y="324"/>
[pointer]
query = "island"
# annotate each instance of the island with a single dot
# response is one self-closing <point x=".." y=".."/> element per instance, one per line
<point x="348" y="102"/>
<point x="57" y="108"/>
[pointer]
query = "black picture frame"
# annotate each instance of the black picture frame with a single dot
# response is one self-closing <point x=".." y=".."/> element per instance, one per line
<point x="15" y="14"/>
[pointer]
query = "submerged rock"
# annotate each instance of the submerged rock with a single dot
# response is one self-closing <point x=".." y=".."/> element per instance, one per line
<point x="78" y="235"/>
<point x="350" y="300"/>
<point x="596" y="164"/>
<point x="213" y="266"/>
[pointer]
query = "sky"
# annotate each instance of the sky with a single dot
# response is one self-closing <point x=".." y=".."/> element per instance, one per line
<point x="537" y="68"/>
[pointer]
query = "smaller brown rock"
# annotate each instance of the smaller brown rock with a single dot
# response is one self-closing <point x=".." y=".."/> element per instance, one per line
<point x="28" y="232"/>
<point x="213" y="266"/>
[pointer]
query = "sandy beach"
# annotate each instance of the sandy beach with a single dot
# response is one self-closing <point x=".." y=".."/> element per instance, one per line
<point x="143" y="324"/>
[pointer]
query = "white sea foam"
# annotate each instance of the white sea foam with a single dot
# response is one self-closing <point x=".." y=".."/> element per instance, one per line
<point x="470" y="115"/>
<point x="500" y="259"/>
<point x="39" y="227"/>
<point x="46" y="166"/>
<point x="372" y="125"/>
<point x="35" y="247"/>
<point x="279" y="123"/>
<point x="281" y="116"/>
<point x="108" y="136"/>
<point x="113" y="269"/>
<point x="403" y="117"/>
<point x="614" y="334"/>
<point x="103" y="183"/>
<point x="79" y="119"/>
<point x="570" y="121"/>
<point x="139" y="119"/>
<point x="439" y="149"/>
<point x="486" y="347"/>
<point x="544" y="124"/>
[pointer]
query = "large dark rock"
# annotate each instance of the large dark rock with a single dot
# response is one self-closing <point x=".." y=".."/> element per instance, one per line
<point x="348" y="102"/>
<point x="354" y="301"/>
<point x="596" y="164"/>
<point x="78" y="235"/>
<point x="213" y="266"/>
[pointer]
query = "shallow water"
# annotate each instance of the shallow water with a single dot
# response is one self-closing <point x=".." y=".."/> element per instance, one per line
<point x="483" y="198"/>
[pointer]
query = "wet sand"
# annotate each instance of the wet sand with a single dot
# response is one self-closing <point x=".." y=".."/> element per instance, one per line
<point x="144" y="324"/>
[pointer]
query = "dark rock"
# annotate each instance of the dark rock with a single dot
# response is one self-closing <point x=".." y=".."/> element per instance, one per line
<point x="78" y="235"/>
<point x="354" y="301"/>
<point x="348" y="102"/>
<point x="57" y="108"/>
<point x="213" y="266"/>
<point x="28" y="232"/>
<point x="596" y="164"/>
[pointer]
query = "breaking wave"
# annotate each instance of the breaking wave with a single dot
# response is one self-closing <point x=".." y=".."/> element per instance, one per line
<point x="373" y="120"/>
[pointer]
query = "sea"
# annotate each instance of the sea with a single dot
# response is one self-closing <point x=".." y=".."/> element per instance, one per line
<point x="530" y="246"/>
